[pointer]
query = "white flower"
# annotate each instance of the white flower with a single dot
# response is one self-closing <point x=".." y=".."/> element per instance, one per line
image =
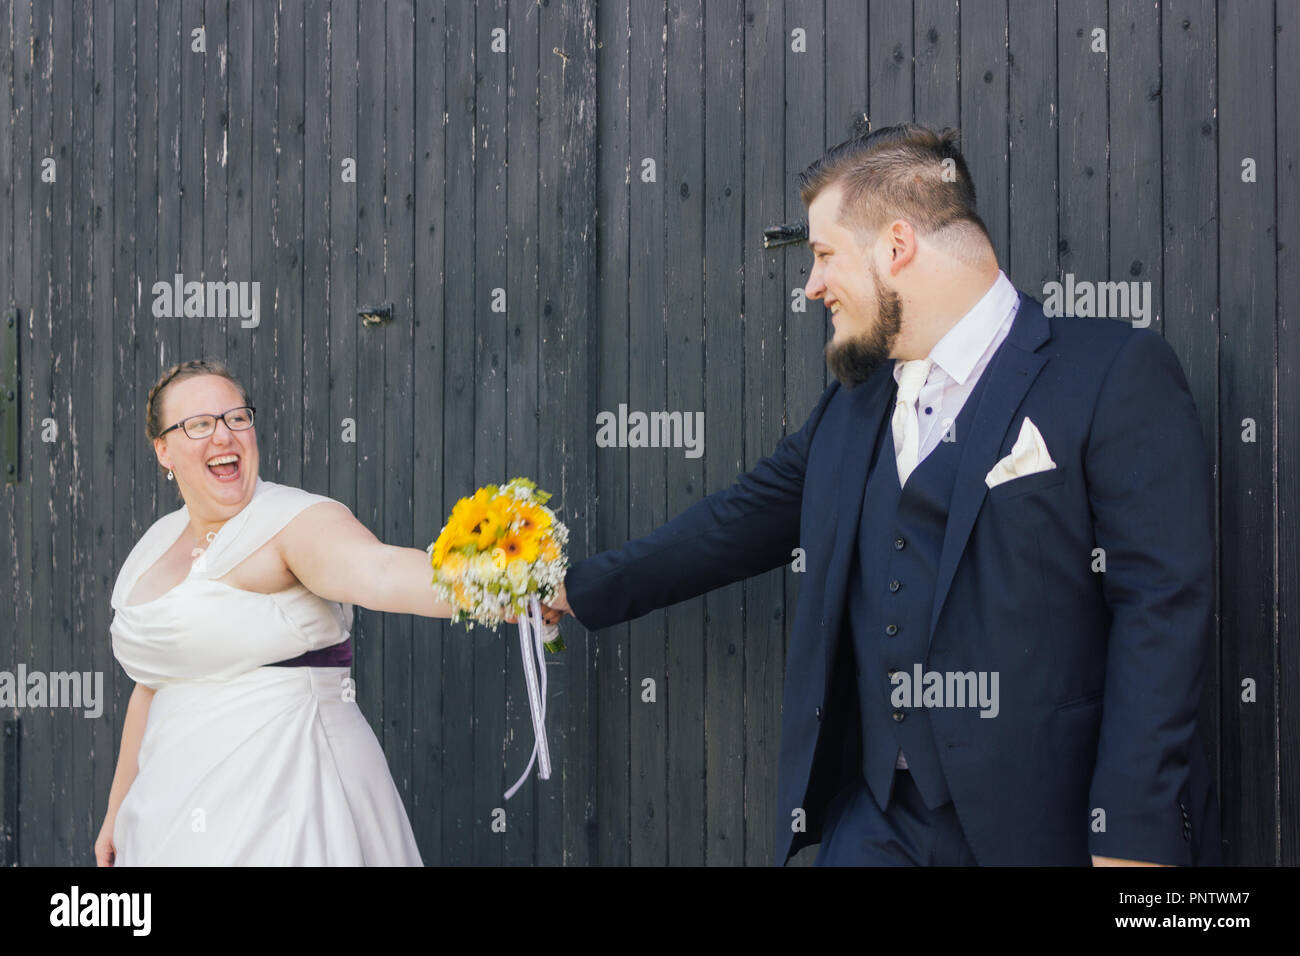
<point x="517" y="574"/>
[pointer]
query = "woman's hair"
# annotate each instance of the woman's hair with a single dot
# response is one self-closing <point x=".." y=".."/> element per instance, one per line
<point x="153" y="423"/>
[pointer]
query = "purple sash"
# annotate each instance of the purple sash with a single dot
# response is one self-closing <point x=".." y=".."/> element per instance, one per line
<point x="337" y="655"/>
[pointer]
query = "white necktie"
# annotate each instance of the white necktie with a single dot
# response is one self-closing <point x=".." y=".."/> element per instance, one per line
<point x="907" y="430"/>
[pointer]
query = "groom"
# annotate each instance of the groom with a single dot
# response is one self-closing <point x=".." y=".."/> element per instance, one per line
<point x="998" y="652"/>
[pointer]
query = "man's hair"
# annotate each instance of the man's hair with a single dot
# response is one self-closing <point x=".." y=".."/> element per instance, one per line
<point x="903" y="172"/>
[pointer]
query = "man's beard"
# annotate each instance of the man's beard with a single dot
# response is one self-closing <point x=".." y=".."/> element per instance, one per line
<point x="856" y="360"/>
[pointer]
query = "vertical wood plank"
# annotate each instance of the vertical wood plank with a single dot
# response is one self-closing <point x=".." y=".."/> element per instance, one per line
<point x="135" y="351"/>
<point x="566" y="249"/>
<point x="766" y="305"/>
<point x="1190" y="270"/>
<point x="806" y="333"/>
<point x="646" y="390"/>
<point x="264" y="27"/>
<point x="213" y="333"/>
<point x="9" y="489"/>
<point x="160" y="337"/>
<point x="850" y="53"/>
<point x="619" y="178"/>
<point x="282" y="301"/>
<point x="240" y="174"/>
<point x="371" y="342"/>
<point x="523" y="371"/>
<point x="1084" y="218"/>
<point x="1031" y="259"/>
<point x="36" y="823"/>
<point x="399" y="423"/>
<point x="684" y="252"/>
<point x="343" y="256"/>
<point x="318" y="432"/>
<point x="63" y="347"/>
<point x="462" y="818"/>
<point x="92" y="41"/>
<point x="936" y="87"/>
<point x="984" y="86"/>
<point x="285" y="315"/>
<point x="189" y="132"/>
<point x="889" y="53"/>
<point x="1134" y="232"/>
<point x="1248" y="302"/>
<point x="1287" y="36"/>
<point x="490" y="210"/>
<point x="112" y="462"/>
<point x="723" y="257"/>
<point x="25" y="169"/>
<point x="430" y="636"/>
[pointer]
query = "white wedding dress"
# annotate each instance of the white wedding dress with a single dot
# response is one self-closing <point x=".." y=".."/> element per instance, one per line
<point x="242" y="763"/>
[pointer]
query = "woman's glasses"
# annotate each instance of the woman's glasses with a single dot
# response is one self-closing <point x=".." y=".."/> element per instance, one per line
<point x="201" y="426"/>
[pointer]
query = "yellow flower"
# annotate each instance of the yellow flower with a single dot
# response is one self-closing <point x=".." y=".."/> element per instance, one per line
<point x="478" y="520"/>
<point x="517" y="545"/>
<point x="531" y="519"/>
<point x="464" y="520"/>
<point x="550" y="550"/>
<point x="492" y="518"/>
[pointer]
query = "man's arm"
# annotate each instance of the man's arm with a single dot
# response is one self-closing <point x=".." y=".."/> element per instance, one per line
<point x="1150" y="492"/>
<point x="735" y="533"/>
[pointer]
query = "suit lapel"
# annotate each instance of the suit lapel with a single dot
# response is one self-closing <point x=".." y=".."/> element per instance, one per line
<point x="1011" y="373"/>
<point x="861" y="432"/>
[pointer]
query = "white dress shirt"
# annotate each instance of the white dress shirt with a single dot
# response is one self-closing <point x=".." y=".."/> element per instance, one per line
<point x="960" y="358"/>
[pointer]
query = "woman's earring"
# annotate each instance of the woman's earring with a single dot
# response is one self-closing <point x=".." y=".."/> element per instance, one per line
<point x="169" y="474"/>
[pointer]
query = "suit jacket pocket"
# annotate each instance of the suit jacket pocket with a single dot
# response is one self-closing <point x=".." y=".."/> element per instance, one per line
<point x="1027" y="483"/>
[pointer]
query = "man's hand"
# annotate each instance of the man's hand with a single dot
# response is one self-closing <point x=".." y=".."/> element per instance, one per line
<point x="1116" y="861"/>
<point x="559" y="606"/>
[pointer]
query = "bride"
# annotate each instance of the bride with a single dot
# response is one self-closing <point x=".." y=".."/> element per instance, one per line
<point x="243" y="744"/>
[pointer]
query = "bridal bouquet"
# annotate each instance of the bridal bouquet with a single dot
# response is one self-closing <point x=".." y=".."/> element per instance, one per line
<point x="498" y="550"/>
<point x="500" y="553"/>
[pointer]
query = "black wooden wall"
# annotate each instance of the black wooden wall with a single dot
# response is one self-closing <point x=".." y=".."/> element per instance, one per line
<point x="524" y="171"/>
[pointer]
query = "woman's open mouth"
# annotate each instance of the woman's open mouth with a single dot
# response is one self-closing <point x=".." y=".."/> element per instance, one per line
<point x="224" y="467"/>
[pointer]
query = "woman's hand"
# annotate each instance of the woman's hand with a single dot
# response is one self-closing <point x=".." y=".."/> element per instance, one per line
<point x="105" y="851"/>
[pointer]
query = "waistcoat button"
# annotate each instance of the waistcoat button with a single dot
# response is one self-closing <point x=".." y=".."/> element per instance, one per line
<point x="891" y="629"/>
<point x="895" y="584"/>
<point x="899" y="715"/>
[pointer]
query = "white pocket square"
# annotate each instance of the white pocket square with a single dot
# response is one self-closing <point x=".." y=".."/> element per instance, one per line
<point x="1028" y="456"/>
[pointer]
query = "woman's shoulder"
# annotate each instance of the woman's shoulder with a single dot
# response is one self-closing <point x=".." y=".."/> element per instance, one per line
<point x="272" y="495"/>
<point x="278" y="504"/>
<point x="272" y="507"/>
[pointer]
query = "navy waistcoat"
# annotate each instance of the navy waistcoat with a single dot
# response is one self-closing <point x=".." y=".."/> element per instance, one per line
<point x="891" y="596"/>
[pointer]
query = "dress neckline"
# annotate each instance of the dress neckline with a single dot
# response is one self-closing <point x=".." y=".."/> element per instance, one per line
<point x="188" y="574"/>
<point x="184" y="513"/>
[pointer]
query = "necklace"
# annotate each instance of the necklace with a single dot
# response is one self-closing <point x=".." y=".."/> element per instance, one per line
<point x="197" y="552"/>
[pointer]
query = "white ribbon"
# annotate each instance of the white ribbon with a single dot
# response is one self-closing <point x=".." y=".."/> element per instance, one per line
<point x="532" y="644"/>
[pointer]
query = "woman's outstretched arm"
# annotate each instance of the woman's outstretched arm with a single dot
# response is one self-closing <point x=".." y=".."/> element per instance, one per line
<point x="338" y="558"/>
<point x="137" y="715"/>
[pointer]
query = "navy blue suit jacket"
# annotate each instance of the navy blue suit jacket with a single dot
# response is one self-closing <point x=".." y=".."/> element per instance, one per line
<point x="1096" y="748"/>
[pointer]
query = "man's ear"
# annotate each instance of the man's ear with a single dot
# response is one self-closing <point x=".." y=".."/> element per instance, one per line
<point x="902" y="244"/>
